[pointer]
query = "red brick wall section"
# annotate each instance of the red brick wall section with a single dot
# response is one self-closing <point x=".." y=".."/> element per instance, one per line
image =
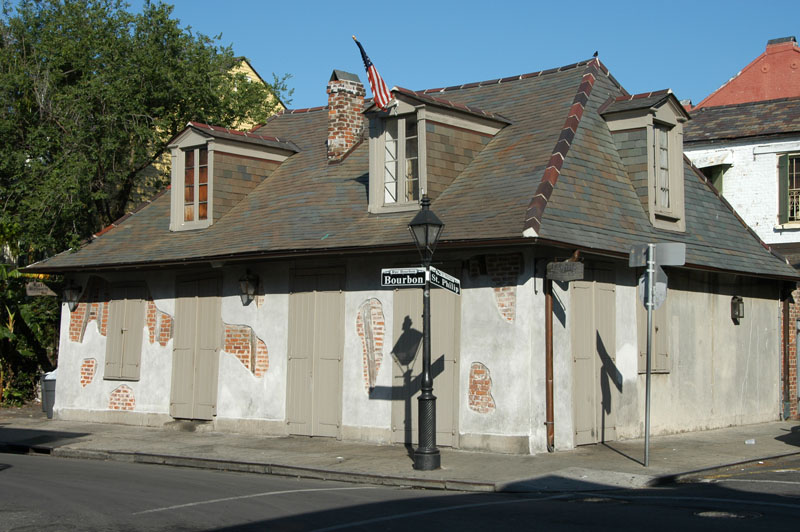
<point x="251" y="351"/>
<point x="480" y="389"/>
<point x="92" y="306"/>
<point x="262" y="359"/>
<point x="794" y="314"/>
<point x="159" y="324"/>
<point x="87" y="371"/>
<point x="371" y="328"/>
<point x="504" y="271"/>
<point x="122" y="399"/>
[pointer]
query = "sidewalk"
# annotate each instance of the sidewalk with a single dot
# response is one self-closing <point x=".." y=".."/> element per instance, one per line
<point x="594" y="467"/>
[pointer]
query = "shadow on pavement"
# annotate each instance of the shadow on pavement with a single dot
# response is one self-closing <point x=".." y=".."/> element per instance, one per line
<point x="792" y="437"/>
<point x="25" y="440"/>
<point x="584" y="506"/>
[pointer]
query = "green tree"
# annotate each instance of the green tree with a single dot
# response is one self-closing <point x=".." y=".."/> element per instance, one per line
<point x="90" y="94"/>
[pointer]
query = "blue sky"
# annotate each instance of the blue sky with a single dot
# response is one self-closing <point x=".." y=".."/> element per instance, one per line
<point x="690" y="47"/>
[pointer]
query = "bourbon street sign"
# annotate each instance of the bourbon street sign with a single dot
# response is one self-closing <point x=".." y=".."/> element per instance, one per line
<point x="403" y="277"/>
<point x="446" y="281"/>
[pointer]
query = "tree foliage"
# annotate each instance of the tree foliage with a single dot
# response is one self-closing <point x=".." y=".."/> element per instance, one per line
<point x="90" y="95"/>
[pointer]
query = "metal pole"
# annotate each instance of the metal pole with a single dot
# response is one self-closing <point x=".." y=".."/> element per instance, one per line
<point x="426" y="456"/>
<point x="651" y="262"/>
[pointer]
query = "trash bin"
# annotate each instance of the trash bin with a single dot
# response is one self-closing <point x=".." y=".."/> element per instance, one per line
<point x="48" y="382"/>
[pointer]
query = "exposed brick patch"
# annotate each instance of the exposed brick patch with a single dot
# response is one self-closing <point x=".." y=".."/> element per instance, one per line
<point x="371" y="327"/>
<point x="92" y="306"/>
<point x="122" y="399"/>
<point x="251" y="351"/>
<point x="87" y="371"/>
<point x="794" y="314"/>
<point x="480" y="389"/>
<point x="504" y="271"/>
<point x="159" y="324"/>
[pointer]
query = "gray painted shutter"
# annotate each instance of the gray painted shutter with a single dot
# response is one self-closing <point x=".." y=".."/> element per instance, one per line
<point x="583" y="347"/>
<point x="783" y="189"/>
<point x="208" y="319"/>
<point x="182" y="390"/>
<point x="116" y="322"/>
<point x="329" y="335"/>
<point x="301" y="353"/>
<point x="132" y="332"/>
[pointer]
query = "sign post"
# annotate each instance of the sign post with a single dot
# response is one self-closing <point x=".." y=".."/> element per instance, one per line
<point x="654" y="256"/>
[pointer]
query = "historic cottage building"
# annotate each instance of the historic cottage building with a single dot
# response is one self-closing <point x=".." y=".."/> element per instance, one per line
<point x="249" y="295"/>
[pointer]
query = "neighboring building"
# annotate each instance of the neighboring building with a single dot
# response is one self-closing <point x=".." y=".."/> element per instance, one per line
<point x="745" y="137"/>
<point x="773" y="75"/>
<point x="249" y="295"/>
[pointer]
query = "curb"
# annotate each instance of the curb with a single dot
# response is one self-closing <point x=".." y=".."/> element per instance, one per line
<point x="269" y="469"/>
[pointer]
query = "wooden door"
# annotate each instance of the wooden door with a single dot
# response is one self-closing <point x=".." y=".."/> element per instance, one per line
<point x="316" y="345"/>
<point x="407" y="364"/>
<point x="596" y="382"/>
<point x="195" y="362"/>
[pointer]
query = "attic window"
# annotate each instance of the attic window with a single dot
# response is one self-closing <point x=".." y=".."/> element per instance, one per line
<point x="401" y="160"/>
<point x="195" y="184"/>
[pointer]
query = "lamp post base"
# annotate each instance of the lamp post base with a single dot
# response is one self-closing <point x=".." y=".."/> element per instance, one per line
<point x="427" y="461"/>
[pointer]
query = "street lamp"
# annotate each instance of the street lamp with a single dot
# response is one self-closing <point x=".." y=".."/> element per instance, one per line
<point x="426" y="228"/>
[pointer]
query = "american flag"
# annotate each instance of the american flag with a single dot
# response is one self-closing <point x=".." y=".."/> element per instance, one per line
<point x="379" y="91"/>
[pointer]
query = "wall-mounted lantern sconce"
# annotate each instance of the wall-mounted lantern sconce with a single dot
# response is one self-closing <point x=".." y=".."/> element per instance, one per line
<point x="248" y="285"/>
<point x="72" y="292"/>
<point x="737" y="308"/>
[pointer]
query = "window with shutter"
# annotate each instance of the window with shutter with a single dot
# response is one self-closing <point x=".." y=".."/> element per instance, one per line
<point x="124" y="340"/>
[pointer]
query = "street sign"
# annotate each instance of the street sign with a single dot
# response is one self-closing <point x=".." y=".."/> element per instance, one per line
<point x="403" y="277"/>
<point x="667" y="254"/>
<point x="565" y="271"/>
<point x="446" y="281"/>
<point x="38" y="288"/>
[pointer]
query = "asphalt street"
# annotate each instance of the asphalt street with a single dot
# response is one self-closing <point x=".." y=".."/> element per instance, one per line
<point x="49" y="493"/>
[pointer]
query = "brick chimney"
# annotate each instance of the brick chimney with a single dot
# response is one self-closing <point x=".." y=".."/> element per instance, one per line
<point x="345" y="120"/>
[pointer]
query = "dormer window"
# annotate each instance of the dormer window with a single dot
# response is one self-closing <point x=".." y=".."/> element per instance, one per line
<point x="650" y="127"/>
<point x="401" y="181"/>
<point x="421" y="145"/>
<point x="195" y="184"/>
<point x="214" y="168"/>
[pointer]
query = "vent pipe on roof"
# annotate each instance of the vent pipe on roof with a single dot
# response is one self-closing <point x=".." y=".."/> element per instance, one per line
<point x="345" y="119"/>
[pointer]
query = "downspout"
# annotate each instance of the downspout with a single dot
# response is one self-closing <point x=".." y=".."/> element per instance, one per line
<point x="548" y="356"/>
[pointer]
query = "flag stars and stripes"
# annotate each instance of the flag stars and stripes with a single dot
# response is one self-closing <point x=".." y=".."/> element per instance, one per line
<point x="380" y="92"/>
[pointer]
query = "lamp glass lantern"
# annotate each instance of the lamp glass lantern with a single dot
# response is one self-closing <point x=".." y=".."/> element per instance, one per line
<point x="426" y="228"/>
<point x="737" y="308"/>
<point x="72" y="292"/>
<point x="247" y="286"/>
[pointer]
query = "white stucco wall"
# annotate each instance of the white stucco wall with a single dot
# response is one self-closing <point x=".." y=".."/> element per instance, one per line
<point x="151" y="391"/>
<point x="721" y="373"/>
<point x="751" y="184"/>
<point x="242" y="395"/>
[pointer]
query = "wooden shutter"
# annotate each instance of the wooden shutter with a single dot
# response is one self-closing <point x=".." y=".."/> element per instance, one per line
<point x="124" y="340"/>
<point x="783" y="189"/>
<point x="659" y="360"/>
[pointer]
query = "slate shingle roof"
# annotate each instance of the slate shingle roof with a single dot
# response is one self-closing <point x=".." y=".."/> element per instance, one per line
<point x="310" y="206"/>
<point x="772" y="117"/>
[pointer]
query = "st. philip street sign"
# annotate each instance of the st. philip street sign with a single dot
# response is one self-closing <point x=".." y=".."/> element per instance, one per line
<point x="446" y="281"/>
<point x="403" y="277"/>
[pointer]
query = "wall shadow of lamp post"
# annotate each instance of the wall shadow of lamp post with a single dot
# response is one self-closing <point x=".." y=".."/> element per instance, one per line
<point x="72" y="293"/>
<point x="737" y="309"/>
<point x="247" y="286"/>
<point x="426" y="228"/>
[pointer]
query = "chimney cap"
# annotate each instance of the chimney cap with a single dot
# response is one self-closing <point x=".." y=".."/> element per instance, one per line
<point x="781" y="40"/>
<point x="341" y="75"/>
